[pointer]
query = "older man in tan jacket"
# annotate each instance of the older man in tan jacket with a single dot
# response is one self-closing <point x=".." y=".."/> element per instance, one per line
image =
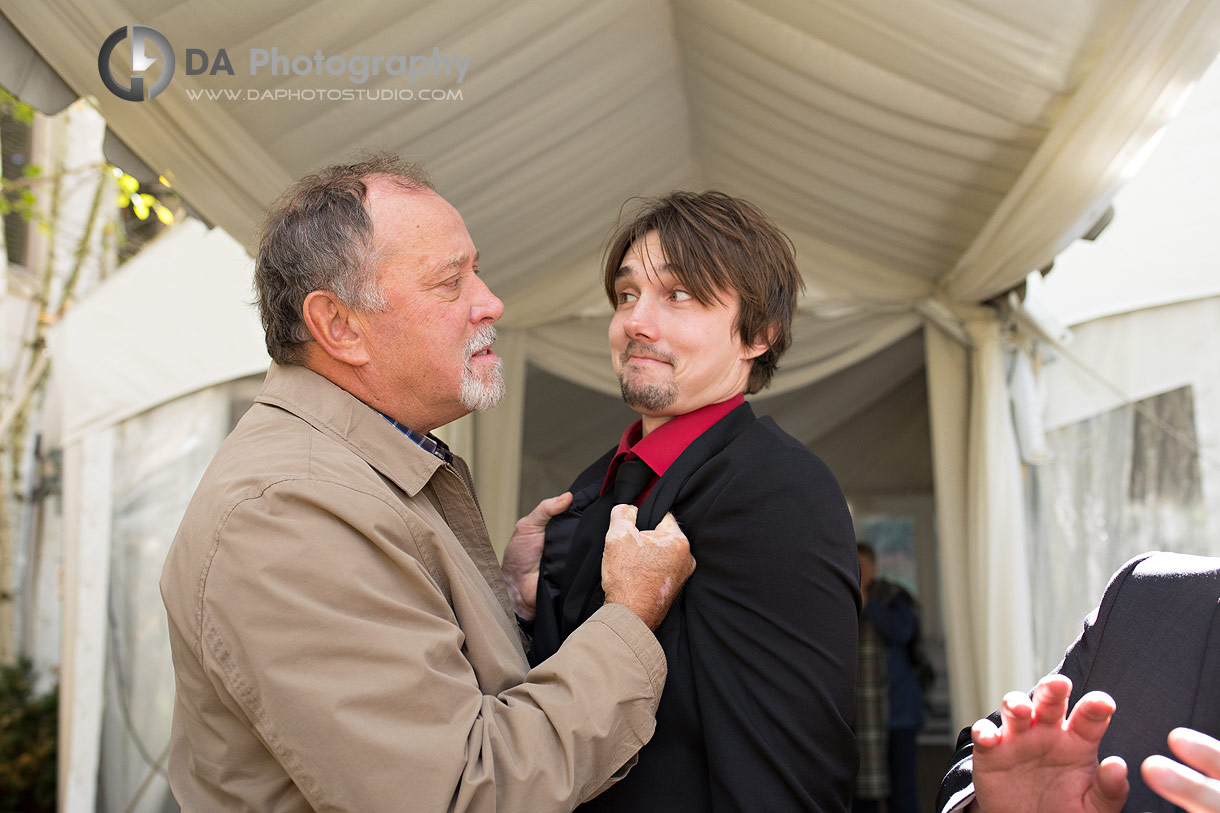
<point x="343" y="635"/>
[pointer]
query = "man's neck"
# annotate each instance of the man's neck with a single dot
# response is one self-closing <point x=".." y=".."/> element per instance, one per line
<point x="649" y="422"/>
<point x="358" y="383"/>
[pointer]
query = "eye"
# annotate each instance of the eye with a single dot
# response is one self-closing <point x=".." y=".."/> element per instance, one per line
<point x="626" y="297"/>
<point x="679" y="295"/>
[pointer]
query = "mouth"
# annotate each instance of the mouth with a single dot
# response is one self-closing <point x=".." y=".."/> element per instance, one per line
<point x="485" y="353"/>
<point x="637" y="354"/>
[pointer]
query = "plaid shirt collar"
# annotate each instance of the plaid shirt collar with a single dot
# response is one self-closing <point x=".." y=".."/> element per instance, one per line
<point x="426" y="442"/>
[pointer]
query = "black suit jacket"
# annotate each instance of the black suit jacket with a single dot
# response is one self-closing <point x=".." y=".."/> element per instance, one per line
<point x="1154" y="644"/>
<point x="761" y="644"/>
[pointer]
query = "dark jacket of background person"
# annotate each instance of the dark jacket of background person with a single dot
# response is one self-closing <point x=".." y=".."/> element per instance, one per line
<point x="891" y="611"/>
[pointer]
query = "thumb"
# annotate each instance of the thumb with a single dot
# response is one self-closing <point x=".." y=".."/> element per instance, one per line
<point x="554" y="505"/>
<point x="669" y="524"/>
<point x="623" y="513"/>
<point x="1110" y="784"/>
<point x="543" y="511"/>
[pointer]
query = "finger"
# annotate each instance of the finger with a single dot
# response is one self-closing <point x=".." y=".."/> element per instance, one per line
<point x="669" y="525"/>
<point x="550" y="507"/>
<point x="1184" y="787"/>
<point x="1110" y="785"/>
<point x="1197" y="750"/>
<point x="1091" y="716"/>
<point x="622" y="521"/>
<point x="1016" y="712"/>
<point x="984" y="734"/>
<point x="1050" y="700"/>
<point x="536" y="520"/>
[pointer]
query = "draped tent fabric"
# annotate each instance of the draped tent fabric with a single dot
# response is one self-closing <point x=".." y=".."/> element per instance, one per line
<point x="923" y="155"/>
<point x="1096" y="144"/>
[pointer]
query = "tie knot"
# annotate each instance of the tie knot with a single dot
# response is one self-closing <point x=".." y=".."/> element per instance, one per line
<point x="630" y="479"/>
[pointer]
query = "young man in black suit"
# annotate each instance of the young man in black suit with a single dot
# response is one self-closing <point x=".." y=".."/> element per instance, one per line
<point x="761" y="645"/>
<point x="1144" y="674"/>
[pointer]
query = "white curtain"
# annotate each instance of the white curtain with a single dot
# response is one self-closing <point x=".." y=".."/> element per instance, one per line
<point x="159" y="458"/>
<point x="1135" y="462"/>
<point x="1118" y="485"/>
<point x="496" y="463"/>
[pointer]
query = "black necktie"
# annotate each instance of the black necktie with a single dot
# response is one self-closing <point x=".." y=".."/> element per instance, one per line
<point x="630" y="479"/>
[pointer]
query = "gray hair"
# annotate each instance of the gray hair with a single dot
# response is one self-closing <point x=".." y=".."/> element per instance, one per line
<point x="319" y="237"/>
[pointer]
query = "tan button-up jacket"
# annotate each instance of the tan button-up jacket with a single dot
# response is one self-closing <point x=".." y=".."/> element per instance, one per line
<point x="342" y="638"/>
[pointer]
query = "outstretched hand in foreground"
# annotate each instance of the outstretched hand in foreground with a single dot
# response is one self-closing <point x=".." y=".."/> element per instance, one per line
<point x="1040" y="760"/>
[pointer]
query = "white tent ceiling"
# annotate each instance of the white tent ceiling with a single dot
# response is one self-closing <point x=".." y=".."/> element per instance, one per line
<point x="1164" y="228"/>
<point x="884" y="135"/>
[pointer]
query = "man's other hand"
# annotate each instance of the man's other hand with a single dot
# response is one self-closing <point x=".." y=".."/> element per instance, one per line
<point x="524" y="552"/>
<point x="1038" y="762"/>
<point x="644" y="570"/>
<point x="1195" y="791"/>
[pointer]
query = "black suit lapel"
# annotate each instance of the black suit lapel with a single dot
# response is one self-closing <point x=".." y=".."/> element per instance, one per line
<point x="702" y="449"/>
<point x="569" y="584"/>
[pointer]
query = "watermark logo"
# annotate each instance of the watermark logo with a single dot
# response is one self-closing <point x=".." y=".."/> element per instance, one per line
<point x="377" y="71"/>
<point x="141" y="37"/>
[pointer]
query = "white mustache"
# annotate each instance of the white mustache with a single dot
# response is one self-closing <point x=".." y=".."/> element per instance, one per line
<point x="485" y="337"/>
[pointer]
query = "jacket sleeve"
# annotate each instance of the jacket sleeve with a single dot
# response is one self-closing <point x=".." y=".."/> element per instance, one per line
<point x="325" y="625"/>
<point x="957" y="788"/>
<point x="772" y="617"/>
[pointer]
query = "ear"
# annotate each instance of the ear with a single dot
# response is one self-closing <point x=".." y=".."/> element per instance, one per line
<point x="753" y="351"/>
<point x="336" y="328"/>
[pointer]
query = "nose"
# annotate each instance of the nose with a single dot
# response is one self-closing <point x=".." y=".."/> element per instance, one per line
<point x="487" y="306"/>
<point x="641" y="321"/>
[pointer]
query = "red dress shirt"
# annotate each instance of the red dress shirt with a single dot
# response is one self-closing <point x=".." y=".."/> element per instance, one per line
<point x="662" y="446"/>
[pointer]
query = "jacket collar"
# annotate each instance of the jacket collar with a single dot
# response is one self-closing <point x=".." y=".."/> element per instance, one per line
<point x="338" y="414"/>
<point x="698" y="452"/>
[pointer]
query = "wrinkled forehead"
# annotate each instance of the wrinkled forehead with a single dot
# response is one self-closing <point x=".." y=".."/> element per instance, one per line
<point x="415" y="222"/>
<point x="393" y="206"/>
